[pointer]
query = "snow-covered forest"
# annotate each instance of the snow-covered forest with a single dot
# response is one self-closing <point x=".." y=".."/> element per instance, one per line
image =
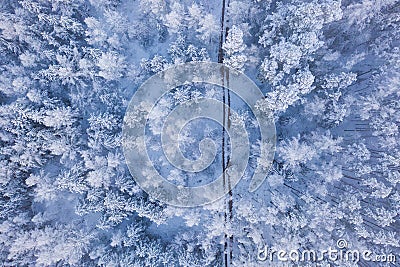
<point x="329" y="71"/>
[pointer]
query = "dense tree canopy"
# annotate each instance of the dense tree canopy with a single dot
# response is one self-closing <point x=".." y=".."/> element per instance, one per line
<point x="329" y="70"/>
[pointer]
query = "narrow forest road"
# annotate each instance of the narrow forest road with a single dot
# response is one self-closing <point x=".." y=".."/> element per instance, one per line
<point x="228" y="215"/>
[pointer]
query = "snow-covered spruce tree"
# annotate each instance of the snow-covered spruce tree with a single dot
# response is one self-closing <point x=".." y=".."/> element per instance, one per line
<point x="336" y="176"/>
<point x="39" y="130"/>
<point x="61" y="111"/>
<point x="312" y="183"/>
